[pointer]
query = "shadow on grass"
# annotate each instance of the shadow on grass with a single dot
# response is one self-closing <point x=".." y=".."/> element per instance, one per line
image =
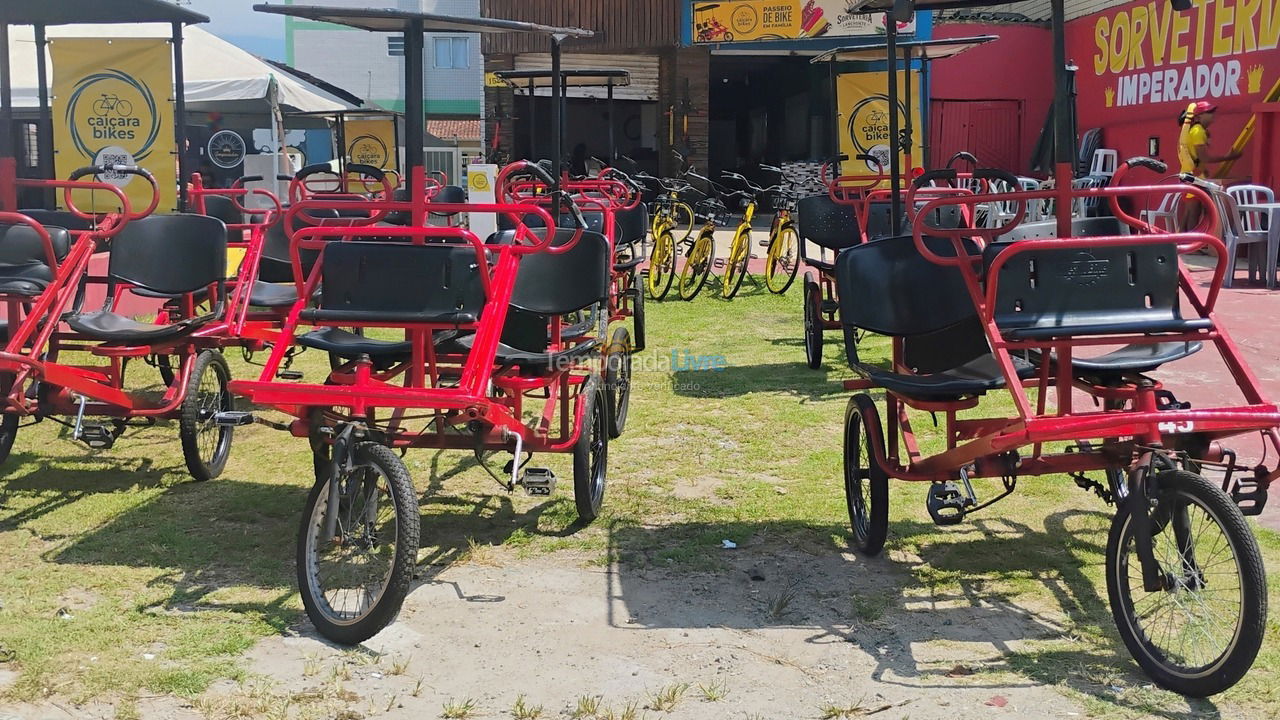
<point x="794" y="379"/>
<point x="987" y="593"/>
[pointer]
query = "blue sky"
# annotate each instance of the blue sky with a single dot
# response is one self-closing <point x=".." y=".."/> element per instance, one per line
<point x="236" y="22"/>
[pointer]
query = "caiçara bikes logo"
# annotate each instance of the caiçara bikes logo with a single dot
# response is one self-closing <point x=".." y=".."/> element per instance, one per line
<point x="868" y="128"/>
<point x="368" y="150"/>
<point x="113" y="119"/>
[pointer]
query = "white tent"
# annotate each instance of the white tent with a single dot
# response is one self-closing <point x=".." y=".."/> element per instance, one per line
<point x="219" y="75"/>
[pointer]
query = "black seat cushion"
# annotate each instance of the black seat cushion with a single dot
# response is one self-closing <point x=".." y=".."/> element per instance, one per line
<point x="1136" y="358"/>
<point x="24" y="268"/>
<point x="523" y="359"/>
<point x="273" y="295"/>
<point x="632" y="225"/>
<point x="114" y="328"/>
<point x="348" y="345"/>
<point x="973" y="378"/>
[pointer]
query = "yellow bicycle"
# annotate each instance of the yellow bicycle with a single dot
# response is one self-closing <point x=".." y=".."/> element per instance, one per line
<point x="701" y="255"/>
<point x="736" y="268"/>
<point x="782" y="261"/>
<point x="671" y="218"/>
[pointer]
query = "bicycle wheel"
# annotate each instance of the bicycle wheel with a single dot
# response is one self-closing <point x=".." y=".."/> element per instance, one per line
<point x="354" y="583"/>
<point x="736" y="268"/>
<point x="783" y="260"/>
<point x="591" y="452"/>
<point x="866" y="487"/>
<point x="1199" y="634"/>
<point x="662" y="266"/>
<point x="697" y="265"/>
<point x="617" y="381"/>
<point x="206" y="445"/>
<point x="682" y="221"/>
<point x="812" y="322"/>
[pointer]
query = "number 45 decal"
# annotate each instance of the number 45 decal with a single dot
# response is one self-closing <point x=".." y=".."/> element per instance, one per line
<point x="1176" y="428"/>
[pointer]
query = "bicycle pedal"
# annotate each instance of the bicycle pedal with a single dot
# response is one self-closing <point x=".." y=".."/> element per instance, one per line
<point x="289" y="374"/>
<point x="947" y="503"/>
<point x="1249" y="496"/>
<point x="97" y="437"/>
<point x="830" y="306"/>
<point x="233" y="418"/>
<point x="764" y="243"/>
<point x="718" y="264"/>
<point x="537" y="482"/>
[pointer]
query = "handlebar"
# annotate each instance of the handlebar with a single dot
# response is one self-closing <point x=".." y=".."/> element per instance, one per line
<point x="96" y="170"/>
<point x="962" y="155"/>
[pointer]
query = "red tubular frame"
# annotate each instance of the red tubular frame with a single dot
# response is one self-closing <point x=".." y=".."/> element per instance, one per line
<point x="987" y="446"/>
<point x="357" y="391"/>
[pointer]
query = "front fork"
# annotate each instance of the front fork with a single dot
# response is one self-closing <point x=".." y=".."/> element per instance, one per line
<point x="339" y="465"/>
<point x="1142" y="501"/>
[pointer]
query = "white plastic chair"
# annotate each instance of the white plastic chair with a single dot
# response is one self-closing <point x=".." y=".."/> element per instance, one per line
<point x="1104" y="163"/>
<point x="1084" y="206"/>
<point x="1254" y="225"/>
<point x="1165" y="217"/>
<point x="1233" y="235"/>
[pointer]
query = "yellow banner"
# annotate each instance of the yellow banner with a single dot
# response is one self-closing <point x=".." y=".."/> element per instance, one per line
<point x="750" y="20"/>
<point x="113" y="105"/>
<point x="372" y="142"/>
<point x="864" y="121"/>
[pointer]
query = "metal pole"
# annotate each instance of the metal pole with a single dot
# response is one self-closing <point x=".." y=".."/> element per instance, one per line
<point x="926" y="99"/>
<point x="613" y="151"/>
<point x="836" y="126"/>
<point x="895" y="182"/>
<point x="180" y="115"/>
<point x="908" y="133"/>
<point x="8" y="163"/>
<point x="557" y="119"/>
<point x="340" y="130"/>
<point x="533" y="127"/>
<point x="415" y="120"/>
<point x="1064" y="143"/>
<point x="44" y="135"/>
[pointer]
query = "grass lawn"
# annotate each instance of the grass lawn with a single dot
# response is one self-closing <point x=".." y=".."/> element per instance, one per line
<point x="124" y="579"/>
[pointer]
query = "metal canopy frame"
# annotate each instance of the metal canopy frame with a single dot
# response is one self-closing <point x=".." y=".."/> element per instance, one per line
<point x="586" y="77"/>
<point x="1065" y="144"/>
<point x="77" y="12"/>
<point x="339" y="119"/>
<point x="923" y="51"/>
<point x="413" y="25"/>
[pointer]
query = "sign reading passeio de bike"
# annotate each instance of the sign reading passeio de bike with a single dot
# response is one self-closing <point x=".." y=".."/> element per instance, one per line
<point x="112" y="106"/>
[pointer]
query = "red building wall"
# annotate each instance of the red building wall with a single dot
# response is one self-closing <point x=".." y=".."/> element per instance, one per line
<point x="1017" y="67"/>
<point x="1141" y="63"/>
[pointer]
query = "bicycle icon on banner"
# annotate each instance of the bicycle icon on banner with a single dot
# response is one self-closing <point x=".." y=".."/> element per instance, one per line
<point x="112" y="104"/>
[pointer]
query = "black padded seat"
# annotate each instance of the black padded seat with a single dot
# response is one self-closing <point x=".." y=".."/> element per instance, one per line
<point x="632" y="225"/>
<point x="24" y="268"/>
<point x="972" y="378"/>
<point x="399" y="283"/>
<point x="59" y="218"/>
<point x="172" y="255"/>
<point x="1136" y="358"/>
<point x="348" y="345"/>
<point x="523" y="359"/>
<point x="111" y="327"/>
<point x="272" y="295"/>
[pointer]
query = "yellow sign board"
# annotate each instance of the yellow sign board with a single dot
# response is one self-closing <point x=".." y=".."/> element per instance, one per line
<point x="492" y="80"/>
<point x="863" y="119"/>
<point x="112" y="105"/>
<point x="372" y="142"/>
<point x="728" y="21"/>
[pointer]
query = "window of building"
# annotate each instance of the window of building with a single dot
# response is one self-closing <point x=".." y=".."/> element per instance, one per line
<point x="453" y="53"/>
<point x="395" y="46"/>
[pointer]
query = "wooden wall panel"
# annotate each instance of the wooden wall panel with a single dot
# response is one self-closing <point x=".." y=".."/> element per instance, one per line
<point x="620" y="25"/>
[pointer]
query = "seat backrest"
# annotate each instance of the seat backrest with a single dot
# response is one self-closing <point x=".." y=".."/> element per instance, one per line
<point x="886" y="286"/>
<point x="449" y="195"/>
<point x="1077" y="288"/>
<point x="632" y="225"/>
<point x="559" y="284"/>
<point x="826" y="223"/>
<point x="224" y="208"/>
<point x="879" y="225"/>
<point x="59" y="218"/>
<point x="1253" y="220"/>
<point x="170" y="254"/>
<point x="401" y="279"/>
<point x="276" y="265"/>
<point x="1080" y="227"/>
<point x="21" y="245"/>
